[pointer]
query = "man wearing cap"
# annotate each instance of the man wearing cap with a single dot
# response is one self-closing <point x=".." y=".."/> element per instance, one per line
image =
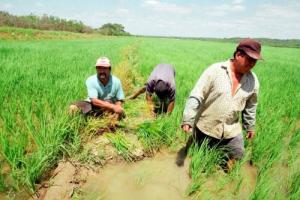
<point x="105" y="92"/>
<point x="161" y="82"/>
<point x="223" y="91"/>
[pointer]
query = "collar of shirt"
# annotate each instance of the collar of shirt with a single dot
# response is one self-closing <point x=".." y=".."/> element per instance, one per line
<point x="227" y="66"/>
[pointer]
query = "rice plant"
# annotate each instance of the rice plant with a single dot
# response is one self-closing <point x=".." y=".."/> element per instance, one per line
<point x="122" y="145"/>
<point x="204" y="161"/>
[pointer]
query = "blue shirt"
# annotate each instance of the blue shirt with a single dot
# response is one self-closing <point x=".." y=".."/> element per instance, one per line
<point x="112" y="91"/>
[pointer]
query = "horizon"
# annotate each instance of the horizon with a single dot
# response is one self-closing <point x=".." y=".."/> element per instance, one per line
<point x="225" y="19"/>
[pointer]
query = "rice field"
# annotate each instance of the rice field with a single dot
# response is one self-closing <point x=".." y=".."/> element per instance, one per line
<point x="39" y="80"/>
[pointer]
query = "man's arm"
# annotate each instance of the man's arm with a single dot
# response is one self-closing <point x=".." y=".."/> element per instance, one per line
<point x="195" y="100"/>
<point x="117" y="108"/>
<point x="172" y="94"/>
<point x="150" y="103"/>
<point x="189" y="113"/>
<point x="139" y="92"/>
<point x="171" y="106"/>
<point x="249" y="115"/>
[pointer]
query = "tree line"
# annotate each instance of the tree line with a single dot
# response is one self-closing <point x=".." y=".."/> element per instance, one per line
<point x="46" y="22"/>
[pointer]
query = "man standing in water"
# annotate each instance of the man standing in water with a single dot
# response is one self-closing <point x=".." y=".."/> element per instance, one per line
<point x="105" y="93"/>
<point x="223" y="91"/>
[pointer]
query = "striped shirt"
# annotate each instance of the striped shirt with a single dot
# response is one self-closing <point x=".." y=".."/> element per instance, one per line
<point x="214" y="110"/>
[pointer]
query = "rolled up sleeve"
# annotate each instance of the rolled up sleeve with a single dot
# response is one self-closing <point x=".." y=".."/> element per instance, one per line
<point x="150" y="87"/>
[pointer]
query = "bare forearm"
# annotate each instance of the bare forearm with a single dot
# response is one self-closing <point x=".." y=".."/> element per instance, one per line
<point x="102" y="104"/>
<point x="149" y="99"/>
<point x="150" y="102"/>
<point x="106" y="106"/>
<point x="140" y="91"/>
<point x="171" y="106"/>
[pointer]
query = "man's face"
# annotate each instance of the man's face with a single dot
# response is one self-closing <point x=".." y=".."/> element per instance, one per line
<point x="103" y="73"/>
<point x="245" y="63"/>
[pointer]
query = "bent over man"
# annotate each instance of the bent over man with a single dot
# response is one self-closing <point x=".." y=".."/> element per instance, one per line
<point x="161" y="82"/>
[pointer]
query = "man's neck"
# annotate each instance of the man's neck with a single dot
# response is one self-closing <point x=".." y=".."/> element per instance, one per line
<point x="234" y="70"/>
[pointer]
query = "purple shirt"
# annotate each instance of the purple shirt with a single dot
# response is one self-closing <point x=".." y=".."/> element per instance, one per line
<point x="165" y="73"/>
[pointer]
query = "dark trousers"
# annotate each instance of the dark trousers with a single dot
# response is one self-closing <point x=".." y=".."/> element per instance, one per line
<point x="233" y="147"/>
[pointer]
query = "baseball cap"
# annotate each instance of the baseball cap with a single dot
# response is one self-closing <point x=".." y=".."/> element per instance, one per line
<point x="103" y="62"/>
<point x="251" y="47"/>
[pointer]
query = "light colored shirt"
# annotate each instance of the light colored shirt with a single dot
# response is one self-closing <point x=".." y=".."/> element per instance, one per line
<point x="111" y="92"/>
<point x="165" y="73"/>
<point x="214" y="110"/>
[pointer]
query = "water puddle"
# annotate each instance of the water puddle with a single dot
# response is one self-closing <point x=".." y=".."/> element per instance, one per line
<point x="153" y="178"/>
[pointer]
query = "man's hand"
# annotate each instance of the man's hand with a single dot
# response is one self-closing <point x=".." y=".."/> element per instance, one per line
<point x="250" y="134"/>
<point x="117" y="108"/>
<point x="186" y="128"/>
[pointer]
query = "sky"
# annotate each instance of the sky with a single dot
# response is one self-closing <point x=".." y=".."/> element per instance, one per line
<point x="190" y="18"/>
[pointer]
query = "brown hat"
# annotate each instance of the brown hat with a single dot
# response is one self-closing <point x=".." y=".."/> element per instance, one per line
<point x="251" y="47"/>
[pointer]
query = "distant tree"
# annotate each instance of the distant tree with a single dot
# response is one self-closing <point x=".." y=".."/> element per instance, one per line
<point x="113" y="29"/>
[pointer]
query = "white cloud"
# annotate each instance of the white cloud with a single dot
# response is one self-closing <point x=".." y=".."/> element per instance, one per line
<point x="165" y="7"/>
<point x="39" y="5"/>
<point x="277" y="21"/>
<point x="222" y="10"/>
<point x="6" y="6"/>
<point x="276" y="11"/>
<point x="151" y="2"/>
<point x="234" y="2"/>
<point x="122" y="12"/>
<point x="273" y="21"/>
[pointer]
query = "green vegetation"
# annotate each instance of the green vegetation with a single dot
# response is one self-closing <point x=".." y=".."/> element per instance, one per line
<point x="44" y="22"/>
<point x="41" y="78"/>
<point x="12" y="33"/>
<point x="123" y="146"/>
<point x="53" y="23"/>
<point x="204" y="162"/>
<point x="155" y="134"/>
<point x="113" y="29"/>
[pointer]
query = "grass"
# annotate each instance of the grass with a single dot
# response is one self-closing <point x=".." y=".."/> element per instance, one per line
<point x="122" y="145"/>
<point x="204" y="161"/>
<point x="154" y="134"/>
<point x="41" y="78"/>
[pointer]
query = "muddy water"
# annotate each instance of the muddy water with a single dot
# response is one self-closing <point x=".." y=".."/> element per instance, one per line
<point x="155" y="178"/>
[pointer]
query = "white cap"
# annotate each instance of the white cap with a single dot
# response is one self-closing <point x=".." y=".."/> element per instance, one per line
<point x="103" y="62"/>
